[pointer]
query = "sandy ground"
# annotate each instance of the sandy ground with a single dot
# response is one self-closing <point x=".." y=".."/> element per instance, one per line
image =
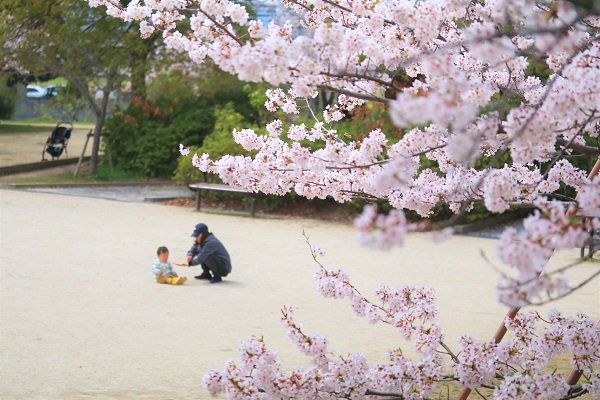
<point x="82" y="318"/>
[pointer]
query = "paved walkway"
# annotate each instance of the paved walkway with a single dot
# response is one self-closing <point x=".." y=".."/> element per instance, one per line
<point x="118" y="193"/>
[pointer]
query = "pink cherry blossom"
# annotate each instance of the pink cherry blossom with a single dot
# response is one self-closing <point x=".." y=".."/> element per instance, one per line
<point x="184" y="150"/>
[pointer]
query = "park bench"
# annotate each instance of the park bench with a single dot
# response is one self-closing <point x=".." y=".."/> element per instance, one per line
<point x="592" y="242"/>
<point x="198" y="187"/>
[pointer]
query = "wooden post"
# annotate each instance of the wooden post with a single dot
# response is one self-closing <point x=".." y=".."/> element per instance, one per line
<point x="87" y="139"/>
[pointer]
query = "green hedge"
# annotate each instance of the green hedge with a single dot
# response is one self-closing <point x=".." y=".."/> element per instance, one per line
<point x="144" y="138"/>
<point x="8" y="99"/>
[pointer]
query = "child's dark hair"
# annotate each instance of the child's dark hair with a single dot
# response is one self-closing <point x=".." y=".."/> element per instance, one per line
<point x="161" y="249"/>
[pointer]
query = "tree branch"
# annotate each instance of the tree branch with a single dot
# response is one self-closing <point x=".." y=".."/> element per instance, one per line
<point x="580" y="148"/>
<point x="361" y="76"/>
<point x="394" y="396"/>
<point x="574" y="392"/>
<point x="367" y="97"/>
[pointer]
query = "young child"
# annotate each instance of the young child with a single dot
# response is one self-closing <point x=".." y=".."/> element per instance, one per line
<point x="163" y="269"/>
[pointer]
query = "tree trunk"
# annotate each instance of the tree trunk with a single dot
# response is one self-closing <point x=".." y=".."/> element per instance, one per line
<point x="100" y="117"/>
<point x="138" y="79"/>
<point x="139" y="69"/>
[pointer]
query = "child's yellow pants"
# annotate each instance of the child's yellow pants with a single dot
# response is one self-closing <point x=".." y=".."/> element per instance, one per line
<point x="173" y="280"/>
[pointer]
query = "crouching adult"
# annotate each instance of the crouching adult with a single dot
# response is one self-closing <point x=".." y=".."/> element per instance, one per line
<point x="208" y="252"/>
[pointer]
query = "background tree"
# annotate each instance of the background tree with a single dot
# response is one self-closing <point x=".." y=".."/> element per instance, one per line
<point x="181" y="106"/>
<point x="8" y="97"/>
<point x="68" y="39"/>
<point x="455" y="77"/>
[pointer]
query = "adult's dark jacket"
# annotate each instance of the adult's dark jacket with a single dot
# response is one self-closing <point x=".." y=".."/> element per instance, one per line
<point x="213" y="250"/>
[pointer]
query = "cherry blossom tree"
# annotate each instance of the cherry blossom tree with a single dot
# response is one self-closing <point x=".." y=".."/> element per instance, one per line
<point x="458" y="76"/>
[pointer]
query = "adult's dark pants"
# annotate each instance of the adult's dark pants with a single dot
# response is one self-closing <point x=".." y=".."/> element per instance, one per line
<point x="215" y="267"/>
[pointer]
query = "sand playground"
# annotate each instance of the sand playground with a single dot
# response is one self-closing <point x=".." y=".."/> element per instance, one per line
<point x="82" y="318"/>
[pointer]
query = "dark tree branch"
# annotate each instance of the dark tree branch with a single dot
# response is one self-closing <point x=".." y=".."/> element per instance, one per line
<point x="580" y="148"/>
<point x="367" y="97"/>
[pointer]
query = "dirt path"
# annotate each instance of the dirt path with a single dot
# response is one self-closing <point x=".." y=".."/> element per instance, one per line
<point x="26" y="147"/>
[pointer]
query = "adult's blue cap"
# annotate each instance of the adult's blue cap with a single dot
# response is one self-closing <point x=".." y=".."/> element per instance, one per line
<point x="200" y="228"/>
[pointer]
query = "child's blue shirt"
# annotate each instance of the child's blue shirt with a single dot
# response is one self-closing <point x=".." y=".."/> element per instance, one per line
<point x="165" y="267"/>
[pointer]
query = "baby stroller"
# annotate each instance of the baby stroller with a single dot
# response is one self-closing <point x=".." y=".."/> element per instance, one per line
<point x="57" y="142"/>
